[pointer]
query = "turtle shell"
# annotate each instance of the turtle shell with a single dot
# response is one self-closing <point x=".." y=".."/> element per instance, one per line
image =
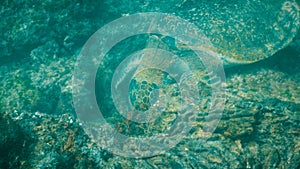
<point x="242" y="32"/>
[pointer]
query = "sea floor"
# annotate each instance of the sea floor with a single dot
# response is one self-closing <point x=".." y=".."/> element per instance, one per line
<point x="40" y="128"/>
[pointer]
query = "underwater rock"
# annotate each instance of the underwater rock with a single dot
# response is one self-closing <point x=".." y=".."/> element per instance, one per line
<point x="251" y="126"/>
<point x="56" y="142"/>
<point x="27" y="25"/>
<point x="14" y="143"/>
<point x="262" y="108"/>
<point x="259" y="127"/>
<point x="41" y="82"/>
<point x="266" y="83"/>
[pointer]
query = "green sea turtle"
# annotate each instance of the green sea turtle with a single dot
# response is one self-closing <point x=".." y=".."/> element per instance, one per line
<point x="152" y="100"/>
<point x="240" y="32"/>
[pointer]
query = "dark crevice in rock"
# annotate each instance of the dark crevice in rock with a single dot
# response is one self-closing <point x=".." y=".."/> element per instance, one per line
<point x="15" y="144"/>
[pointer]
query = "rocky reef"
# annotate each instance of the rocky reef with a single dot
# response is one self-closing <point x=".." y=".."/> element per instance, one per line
<point x="39" y="127"/>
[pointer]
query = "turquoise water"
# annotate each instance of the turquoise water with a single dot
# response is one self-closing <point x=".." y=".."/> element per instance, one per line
<point x="225" y="95"/>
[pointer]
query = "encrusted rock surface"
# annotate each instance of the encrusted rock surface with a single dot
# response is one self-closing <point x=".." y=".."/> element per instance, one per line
<point x="259" y="127"/>
<point x="28" y="25"/>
